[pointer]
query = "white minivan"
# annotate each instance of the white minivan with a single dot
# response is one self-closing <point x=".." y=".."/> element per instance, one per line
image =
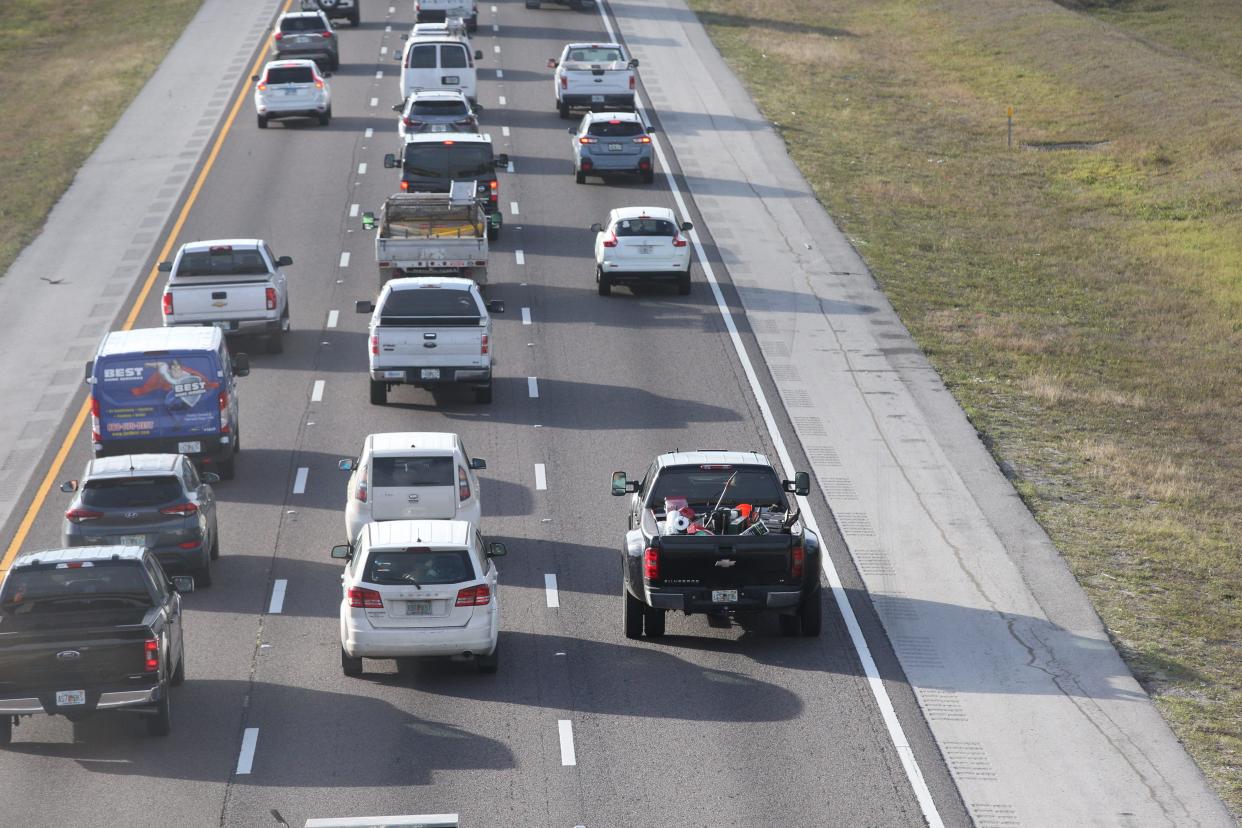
<point x="409" y="475"/>
<point x="417" y="589"/>
<point x="438" y="63"/>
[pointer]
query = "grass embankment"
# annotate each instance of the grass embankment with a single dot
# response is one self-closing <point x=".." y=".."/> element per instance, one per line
<point x="1084" y="305"/>
<point x="69" y="70"/>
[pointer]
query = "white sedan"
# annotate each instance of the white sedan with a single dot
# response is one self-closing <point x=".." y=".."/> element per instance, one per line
<point x="641" y="244"/>
<point x="419" y="589"/>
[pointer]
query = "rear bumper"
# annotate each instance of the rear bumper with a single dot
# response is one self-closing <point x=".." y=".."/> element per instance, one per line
<point x="614" y="163"/>
<point x="413" y="375"/>
<point x="281" y="110"/>
<point x="45" y="703"/>
<point x="170" y="557"/>
<point x="750" y="599"/>
<point x="215" y="447"/>
<point x="625" y="277"/>
<point x="621" y="101"/>
<point x="268" y="323"/>
<point x="478" y="637"/>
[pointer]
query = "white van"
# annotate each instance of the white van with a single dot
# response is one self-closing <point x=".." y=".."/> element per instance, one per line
<point x="439" y="63"/>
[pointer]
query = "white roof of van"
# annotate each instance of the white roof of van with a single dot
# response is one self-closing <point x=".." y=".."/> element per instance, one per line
<point x="144" y="340"/>
<point x="417" y="533"/>
<point x="447" y="282"/>
<point x="401" y="442"/>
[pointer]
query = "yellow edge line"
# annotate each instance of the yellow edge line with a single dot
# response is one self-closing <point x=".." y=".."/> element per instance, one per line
<point x="58" y="462"/>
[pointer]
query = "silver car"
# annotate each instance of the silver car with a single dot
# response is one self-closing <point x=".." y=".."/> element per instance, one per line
<point x="610" y="143"/>
<point x="435" y="111"/>
<point x="292" y="89"/>
<point x="306" y="35"/>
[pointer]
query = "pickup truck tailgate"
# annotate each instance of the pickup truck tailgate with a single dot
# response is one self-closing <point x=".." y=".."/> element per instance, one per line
<point x="429" y="346"/>
<point x="34" y="661"/>
<point x="219" y="300"/>
<point x="598" y="81"/>
<point x="724" y="562"/>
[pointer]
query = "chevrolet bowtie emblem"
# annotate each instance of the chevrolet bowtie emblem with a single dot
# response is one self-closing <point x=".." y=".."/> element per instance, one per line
<point x="725" y="562"/>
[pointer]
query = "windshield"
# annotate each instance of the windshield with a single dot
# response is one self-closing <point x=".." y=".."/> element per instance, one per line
<point x="418" y="566"/>
<point x="756" y="485"/>
<point x="596" y="54"/>
<point x="223" y="261"/>
<point x="459" y="162"/>
<point x="80" y="587"/>
<point x="130" y="491"/>
<point x="411" y="471"/>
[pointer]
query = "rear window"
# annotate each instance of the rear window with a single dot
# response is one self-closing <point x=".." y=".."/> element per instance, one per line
<point x="93" y="585"/>
<point x="615" y="129"/>
<point x="422" y="57"/>
<point x="223" y="261"/>
<point x="130" y="491"/>
<point x="453" y="160"/>
<point x="438" y="108"/>
<point x="757" y="486"/>
<point x="453" y="57"/>
<point x="430" y="302"/>
<point x="290" y="74"/>
<point x="418" y="566"/>
<point x="597" y="55"/>
<point x="411" y="471"/>
<point x="302" y="24"/>
<point x="645" y="227"/>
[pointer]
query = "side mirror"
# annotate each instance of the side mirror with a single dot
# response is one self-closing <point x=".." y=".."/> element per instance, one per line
<point x="284" y="261"/>
<point x="552" y="64"/>
<point x="496" y="550"/>
<point x="478" y="54"/>
<point x="364" y="306"/>
<point x="633" y="63"/>
<point x="182" y="583"/>
<point x="478" y="463"/>
<point x="390" y="161"/>
<point x="478" y="107"/>
<point x="165" y="267"/>
<point x="651" y="130"/>
<point x="619" y="484"/>
<point x="572" y="130"/>
<point x="69" y="486"/>
<point x="800" y="485"/>
<point x="397" y="55"/>
<point x="345" y="465"/>
<point x="687" y="226"/>
<point x="368" y="221"/>
<point x="327" y="74"/>
<point x="254" y="77"/>
<point x="597" y="227"/>
<point x="496" y="306"/>
<point x="343" y="552"/>
<point x="502" y="160"/>
<point x="90" y="369"/>
<point x="398" y="107"/>
<point x="209" y="477"/>
<point x="241" y="365"/>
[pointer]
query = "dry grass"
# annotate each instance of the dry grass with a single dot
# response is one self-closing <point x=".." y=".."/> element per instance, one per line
<point x="1085" y="306"/>
<point x="69" y="71"/>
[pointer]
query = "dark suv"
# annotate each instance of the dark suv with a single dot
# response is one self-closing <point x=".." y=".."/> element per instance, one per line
<point x="306" y="35"/>
<point x="159" y="501"/>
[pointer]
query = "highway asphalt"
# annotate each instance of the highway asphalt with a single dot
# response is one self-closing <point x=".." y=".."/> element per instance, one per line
<point x="712" y="726"/>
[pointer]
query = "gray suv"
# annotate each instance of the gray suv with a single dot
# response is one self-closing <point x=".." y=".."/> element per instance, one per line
<point x="159" y="501"/>
<point x="306" y="35"/>
<point x="611" y="143"/>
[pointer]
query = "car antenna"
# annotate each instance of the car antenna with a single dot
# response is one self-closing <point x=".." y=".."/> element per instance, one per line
<point x="723" y="490"/>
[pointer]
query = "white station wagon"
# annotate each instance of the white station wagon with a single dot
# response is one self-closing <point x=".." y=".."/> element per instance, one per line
<point x="419" y="589"/>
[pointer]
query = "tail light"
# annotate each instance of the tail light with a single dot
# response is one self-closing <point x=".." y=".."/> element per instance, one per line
<point x="363" y="598"/>
<point x="611" y="241"/>
<point x="183" y="509"/>
<point x="168" y="304"/>
<point x="587" y="164"/>
<point x="374" y="345"/>
<point x="271" y="298"/>
<point x="798" y="560"/>
<point x="190" y="545"/>
<point x="484" y="346"/>
<point x="318" y="83"/>
<point x="564" y="81"/>
<point x="360" y="491"/>
<point x="463" y="484"/>
<point x="631" y="80"/>
<point x="651" y="563"/>
<point x="224" y="413"/>
<point x="409" y="122"/>
<point x="262" y="86"/>
<point x="82" y="515"/>
<point x="475" y="596"/>
<point x="405" y="185"/>
<point x="495" y="187"/>
<point x="278" y="36"/>
<point x="151" y="655"/>
<point x="95" y="437"/>
<point x="325" y="35"/>
<point x="643" y="139"/>
<point x="678" y="241"/>
<point x="586" y="139"/>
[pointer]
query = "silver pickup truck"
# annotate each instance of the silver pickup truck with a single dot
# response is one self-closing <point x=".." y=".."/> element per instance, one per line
<point x="426" y="234"/>
<point x="236" y="285"/>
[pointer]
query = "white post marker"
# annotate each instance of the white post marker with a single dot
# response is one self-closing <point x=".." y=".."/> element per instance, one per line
<point x="362" y="168"/>
<point x="541" y="478"/>
<point x="392" y="9"/>
<point x="519" y="257"/>
<point x="549" y="587"/>
<point x="493" y="9"/>
<point x="299" y="480"/>
<point x="504" y="131"/>
<point x="333" y="317"/>
<point x="532" y="386"/>
<point x="278" y="596"/>
<point x="369" y="133"/>
<point x="513" y="208"/>
<point x="525" y="316"/>
<point x="896" y="733"/>
<point x="353" y="211"/>
<point x="388" y="28"/>
<point x="317" y="391"/>
<point x="344" y="258"/>
<point x="245" y="760"/>
<point x="568" y="756"/>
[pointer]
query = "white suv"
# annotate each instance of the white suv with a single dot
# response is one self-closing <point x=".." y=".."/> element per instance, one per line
<point x="641" y="244"/>
<point x="292" y="89"/>
<point x="408" y="475"/>
<point x="419" y="588"/>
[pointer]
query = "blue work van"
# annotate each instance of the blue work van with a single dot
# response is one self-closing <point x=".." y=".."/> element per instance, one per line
<point x="167" y="391"/>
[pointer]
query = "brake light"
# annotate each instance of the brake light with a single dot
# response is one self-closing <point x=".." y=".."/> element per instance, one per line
<point x="495" y="185"/>
<point x="95" y="438"/>
<point x="325" y="34"/>
<point x="189" y="545"/>
<point x="183" y="509"/>
<point x="405" y="185"/>
<point x="587" y="140"/>
<point x="449" y="143"/>
<point x="224" y="412"/>
<point x="278" y="36"/>
<point x="168" y="304"/>
<point x="82" y="515"/>
<point x="651" y="563"/>
<point x="643" y="139"/>
<point x="798" y="559"/>
<point x="564" y="81"/>
<point x="611" y="241"/>
<point x="363" y="598"/>
<point x="271" y="298"/>
<point x="475" y="596"/>
<point x="262" y="86"/>
<point x="463" y="484"/>
<point x="409" y="122"/>
<point x="360" y="491"/>
<point x="151" y="655"/>
<point x="631" y="80"/>
<point x="374" y="345"/>
<point x="678" y="241"/>
<point x="318" y="84"/>
<point x="484" y="346"/>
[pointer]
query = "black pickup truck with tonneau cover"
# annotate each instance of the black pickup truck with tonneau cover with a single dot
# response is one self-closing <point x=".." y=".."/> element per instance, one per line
<point x="713" y="532"/>
<point x="87" y="629"/>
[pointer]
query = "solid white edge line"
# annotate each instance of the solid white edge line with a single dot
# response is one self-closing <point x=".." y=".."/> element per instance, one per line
<point x="519" y="257"/>
<point x="532" y="386"/>
<point x="525" y="316"/>
<point x="566" y="729"/>
<point x="278" y="596"/>
<point x="344" y="258"/>
<point x="317" y="391"/>
<point x="353" y="211"/>
<point x="541" y="478"/>
<point x="299" y="480"/>
<point x="245" y="759"/>
<point x="551" y="591"/>
<point x="333" y="317"/>
<point x="885" y="704"/>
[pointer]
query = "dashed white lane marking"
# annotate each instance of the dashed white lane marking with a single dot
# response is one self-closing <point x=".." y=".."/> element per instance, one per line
<point x="299" y="481"/>
<point x="496" y="49"/>
<point x="500" y="73"/>
<point x="568" y="756"/>
<point x="519" y="256"/>
<point x="541" y="478"/>
<point x="278" y="597"/>
<point x="513" y="208"/>
<point x="375" y="102"/>
<point x="383" y="50"/>
<point x="504" y="131"/>
<point x="501" y="99"/>
<point x="392" y="9"/>
<point x="532" y="388"/>
<point x="317" y="391"/>
<point x="362" y="168"/>
<point x="250" y="740"/>
<point x="345" y="258"/>
<point x="379" y="73"/>
<point x="388" y="28"/>
<point x="495" y="27"/>
<point x="333" y="316"/>
<point x="370" y="132"/>
<point x="549" y="586"/>
<point x="353" y="211"/>
<point x="525" y="316"/>
<point x="509" y="167"/>
<point x="493" y="9"/>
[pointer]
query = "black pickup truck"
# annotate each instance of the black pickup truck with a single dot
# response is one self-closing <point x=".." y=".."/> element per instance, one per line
<point x="87" y="629"/>
<point x="713" y="532"/>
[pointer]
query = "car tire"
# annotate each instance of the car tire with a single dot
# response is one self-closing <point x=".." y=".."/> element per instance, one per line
<point x="603" y="282"/>
<point x="6" y="731"/>
<point x="202" y="575"/>
<point x="262" y="121"/>
<point x="483" y="395"/>
<point x="379" y="393"/>
<point x="488" y="663"/>
<point x="579" y="176"/>
<point x="325" y="118"/>
<point x="683" y="283"/>
<point x="790" y="625"/>
<point x="811" y="614"/>
<point x="647" y="176"/>
<point x="215" y="546"/>
<point x="653" y="622"/>
<point x="632" y="615"/>
<point x="563" y="109"/>
<point x="228" y="468"/>
<point x="532" y="4"/>
<point x="350" y="665"/>
<point x="159" y="723"/>
<point x="493" y="233"/>
<point x="178" y="676"/>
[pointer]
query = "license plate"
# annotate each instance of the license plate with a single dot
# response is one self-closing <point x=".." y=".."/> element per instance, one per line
<point x="439" y="128"/>
<point x="418" y="608"/>
<point x="451" y="80"/>
<point x="597" y="99"/>
<point x="189" y="447"/>
<point x="430" y="373"/>
<point x="394" y="375"/>
<point x="302" y="39"/>
<point x="645" y="249"/>
<point x="724" y="596"/>
<point x="132" y="540"/>
<point x="291" y="91"/>
<point x="67" y="698"/>
<point x="614" y="147"/>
